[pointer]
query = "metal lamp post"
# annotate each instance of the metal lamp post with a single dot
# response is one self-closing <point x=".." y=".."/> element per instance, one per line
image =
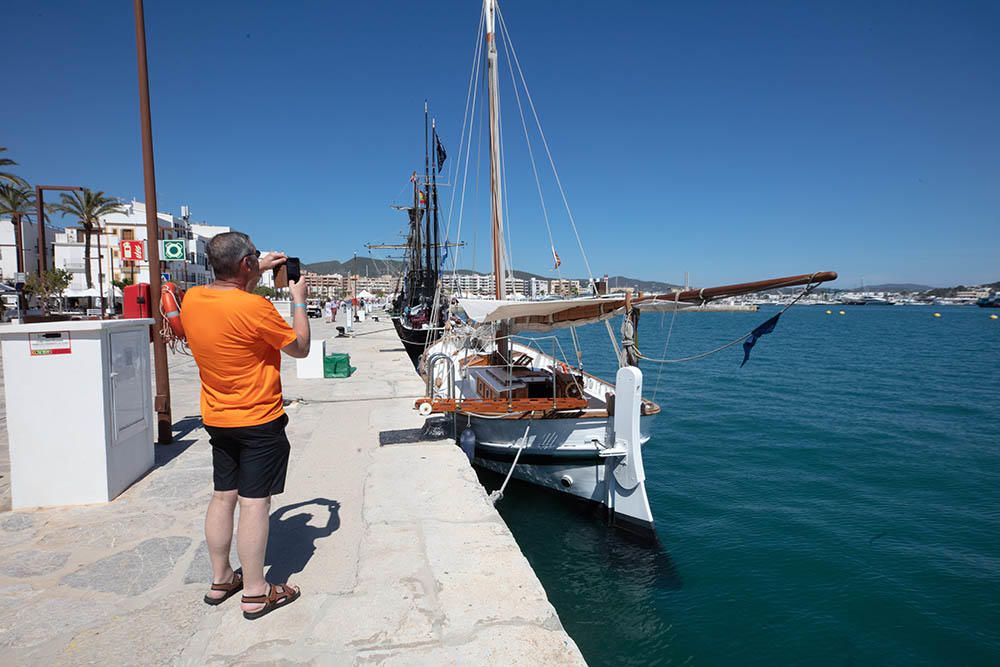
<point x="162" y="401"/>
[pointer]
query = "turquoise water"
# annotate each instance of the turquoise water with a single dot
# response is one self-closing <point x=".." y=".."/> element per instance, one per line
<point x="834" y="502"/>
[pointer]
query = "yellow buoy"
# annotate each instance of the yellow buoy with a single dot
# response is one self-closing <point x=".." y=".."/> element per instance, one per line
<point x="937" y="314"/>
<point x="830" y="312"/>
<point x="993" y="317"/>
<point x="842" y="313"/>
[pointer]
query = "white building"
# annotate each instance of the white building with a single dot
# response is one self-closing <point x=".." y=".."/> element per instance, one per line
<point x="8" y="254"/>
<point x="538" y="288"/>
<point x="106" y="263"/>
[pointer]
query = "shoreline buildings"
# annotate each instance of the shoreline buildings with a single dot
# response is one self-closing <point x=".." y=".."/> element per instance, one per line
<point x="67" y="250"/>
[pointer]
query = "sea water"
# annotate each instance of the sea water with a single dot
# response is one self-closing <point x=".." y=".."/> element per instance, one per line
<point x="834" y="502"/>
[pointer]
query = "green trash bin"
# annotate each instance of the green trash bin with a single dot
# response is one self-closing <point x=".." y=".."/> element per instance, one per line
<point x="337" y="365"/>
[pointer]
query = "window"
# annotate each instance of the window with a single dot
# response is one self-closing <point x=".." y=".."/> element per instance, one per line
<point x="128" y="234"/>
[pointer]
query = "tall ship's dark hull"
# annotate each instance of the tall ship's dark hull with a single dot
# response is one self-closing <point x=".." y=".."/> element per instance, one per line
<point x="415" y="341"/>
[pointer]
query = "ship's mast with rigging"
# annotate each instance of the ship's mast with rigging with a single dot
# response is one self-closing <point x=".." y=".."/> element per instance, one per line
<point x="496" y="209"/>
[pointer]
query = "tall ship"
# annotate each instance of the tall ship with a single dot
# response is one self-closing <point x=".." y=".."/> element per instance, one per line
<point x="416" y="311"/>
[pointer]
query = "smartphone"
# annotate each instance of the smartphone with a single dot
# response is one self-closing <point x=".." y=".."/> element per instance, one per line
<point x="291" y="270"/>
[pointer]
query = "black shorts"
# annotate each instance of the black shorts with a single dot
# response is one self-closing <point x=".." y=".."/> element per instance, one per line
<point x="251" y="459"/>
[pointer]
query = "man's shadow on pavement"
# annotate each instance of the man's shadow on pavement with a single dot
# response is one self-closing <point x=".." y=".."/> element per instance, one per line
<point x="292" y="541"/>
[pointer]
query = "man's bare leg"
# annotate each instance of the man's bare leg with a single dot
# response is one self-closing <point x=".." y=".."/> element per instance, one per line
<point x="219" y="537"/>
<point x="251" y="544"/>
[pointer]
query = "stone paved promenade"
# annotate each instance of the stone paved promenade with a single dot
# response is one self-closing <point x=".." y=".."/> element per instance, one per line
<point x="400" y="556"/>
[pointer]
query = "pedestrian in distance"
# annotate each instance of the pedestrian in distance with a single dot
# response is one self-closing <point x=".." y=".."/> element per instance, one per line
<point x="237" y="338"/>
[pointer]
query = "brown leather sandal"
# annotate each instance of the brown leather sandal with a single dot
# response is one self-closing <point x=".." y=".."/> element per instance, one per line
<point x="231" y="589"/>
<point x="279" y="595"/>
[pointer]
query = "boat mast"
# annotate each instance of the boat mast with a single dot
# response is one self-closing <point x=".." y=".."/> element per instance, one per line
<point x="430" y="275"/>
<point x="493" y="82"/>
<point x="433" y="202"/>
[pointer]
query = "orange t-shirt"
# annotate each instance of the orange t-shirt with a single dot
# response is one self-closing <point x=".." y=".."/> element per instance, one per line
<point x="236" y="338"/>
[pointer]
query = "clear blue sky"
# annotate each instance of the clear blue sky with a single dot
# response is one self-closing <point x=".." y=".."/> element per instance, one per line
<point x="731" y="140"/>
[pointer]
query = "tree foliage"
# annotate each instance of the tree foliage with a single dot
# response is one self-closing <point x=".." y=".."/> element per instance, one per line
<point x="88" y="206"/>
<point x="52" y="284"/>
<point x="8" y="176"/>
<point x="16" y="199"/>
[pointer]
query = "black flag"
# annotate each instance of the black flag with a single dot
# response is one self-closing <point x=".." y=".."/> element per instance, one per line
<point x="765" y="328"/>
<point x="441" y="155"/>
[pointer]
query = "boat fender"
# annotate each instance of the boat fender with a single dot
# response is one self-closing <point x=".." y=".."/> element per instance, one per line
<point x="170" y="306"/>
<point x="425" y="409"/>
<point x="467" y="441"/>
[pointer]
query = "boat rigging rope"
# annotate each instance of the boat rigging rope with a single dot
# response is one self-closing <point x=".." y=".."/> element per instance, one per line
<point x="534" y="170"/>
<point x="466" y="140"/>
<point x="497" y="496"/>
<point x="666" y="344"/>
<point x="552" y="164"/>
<point x="808" y="288"/>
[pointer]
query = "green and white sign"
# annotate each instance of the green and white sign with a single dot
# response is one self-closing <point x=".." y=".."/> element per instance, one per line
<point x="173" y="250"/>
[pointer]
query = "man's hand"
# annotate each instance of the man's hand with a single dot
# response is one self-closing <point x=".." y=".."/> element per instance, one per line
<point x="299" y="348"/>
<point x="297" y="289"/>
<point x="271" y="260"/>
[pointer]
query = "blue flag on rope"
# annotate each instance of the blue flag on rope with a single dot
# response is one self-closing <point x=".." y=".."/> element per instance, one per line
<point x="765" y="328"/>
<point x="444" y="254"/>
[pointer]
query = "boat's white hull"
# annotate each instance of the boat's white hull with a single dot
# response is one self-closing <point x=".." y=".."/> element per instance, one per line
<point x="562" y="455"/>
<point x="584" y="453"/>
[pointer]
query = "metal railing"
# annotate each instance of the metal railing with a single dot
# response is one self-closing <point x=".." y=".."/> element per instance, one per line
<point x="432" y="363"/>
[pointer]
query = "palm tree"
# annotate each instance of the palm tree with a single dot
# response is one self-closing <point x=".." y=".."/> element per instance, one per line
<point x="88" y="207"/>
<point x="7" y="176"/>
<point x="16" y="201"/>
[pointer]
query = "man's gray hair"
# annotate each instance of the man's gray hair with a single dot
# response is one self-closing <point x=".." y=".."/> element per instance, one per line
<point x="226" y="251"/>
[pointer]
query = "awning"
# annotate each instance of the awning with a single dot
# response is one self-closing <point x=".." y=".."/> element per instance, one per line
<point x="548" y="315"/>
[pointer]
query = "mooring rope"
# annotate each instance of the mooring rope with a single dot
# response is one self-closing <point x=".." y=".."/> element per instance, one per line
<point x="496" y="496"/>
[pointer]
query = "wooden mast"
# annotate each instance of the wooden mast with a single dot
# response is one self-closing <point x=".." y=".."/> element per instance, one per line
<point x="496" y="208"/>
<point x="496" y="200"/>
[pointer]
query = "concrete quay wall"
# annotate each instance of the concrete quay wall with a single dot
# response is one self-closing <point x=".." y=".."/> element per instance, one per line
<point x="401" y="558"/>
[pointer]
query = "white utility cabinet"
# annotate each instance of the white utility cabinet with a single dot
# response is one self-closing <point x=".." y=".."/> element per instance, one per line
<point x="79" y="409"/>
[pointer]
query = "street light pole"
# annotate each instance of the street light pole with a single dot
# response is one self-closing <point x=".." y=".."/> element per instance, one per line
<point x="162" y="401"/>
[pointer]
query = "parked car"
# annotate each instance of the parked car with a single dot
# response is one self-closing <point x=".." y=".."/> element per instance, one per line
<point x="314" y="308"/>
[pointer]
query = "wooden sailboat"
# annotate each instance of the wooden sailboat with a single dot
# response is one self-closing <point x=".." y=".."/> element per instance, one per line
<point x="529" y="413"/>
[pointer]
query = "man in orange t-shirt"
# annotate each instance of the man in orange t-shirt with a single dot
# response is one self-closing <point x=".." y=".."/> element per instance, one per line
<point x="237" y="338"/>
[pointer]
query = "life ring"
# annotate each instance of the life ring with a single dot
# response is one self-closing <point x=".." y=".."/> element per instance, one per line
<point x="425" y="409"/>
<point x="170" y="306"/>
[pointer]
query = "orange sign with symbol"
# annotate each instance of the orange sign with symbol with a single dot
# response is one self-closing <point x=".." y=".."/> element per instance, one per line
<point x="132" y="251"/>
